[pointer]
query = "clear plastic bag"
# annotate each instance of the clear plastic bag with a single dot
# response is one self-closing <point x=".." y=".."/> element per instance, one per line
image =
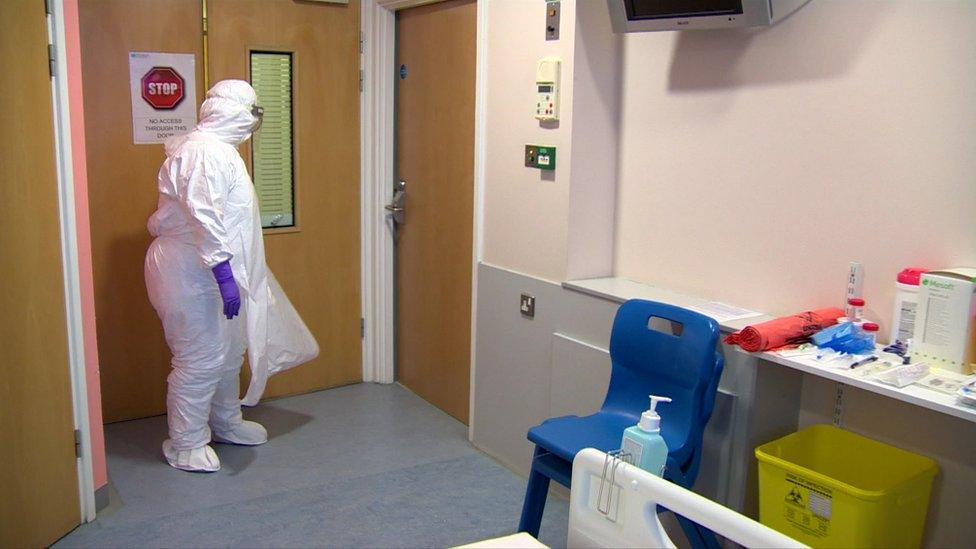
<point x="278" y="340"/>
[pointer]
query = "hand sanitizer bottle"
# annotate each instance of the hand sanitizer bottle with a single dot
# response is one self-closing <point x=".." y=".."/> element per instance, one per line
<point x="644" y="443"/>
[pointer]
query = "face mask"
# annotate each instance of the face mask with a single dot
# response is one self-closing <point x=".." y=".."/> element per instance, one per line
<point x="258" y="114"/>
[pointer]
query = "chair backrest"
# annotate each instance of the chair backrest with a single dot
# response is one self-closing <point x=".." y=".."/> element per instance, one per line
<point x="623" y="514"/>
<point x="683" y="365"/>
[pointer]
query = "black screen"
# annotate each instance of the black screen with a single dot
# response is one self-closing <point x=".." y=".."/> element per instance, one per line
<point x="659" y="9"/>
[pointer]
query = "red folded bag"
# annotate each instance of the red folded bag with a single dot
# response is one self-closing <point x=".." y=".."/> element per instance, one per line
<point x="783" y="331"/>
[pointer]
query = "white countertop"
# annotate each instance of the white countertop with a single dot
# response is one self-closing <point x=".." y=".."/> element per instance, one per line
<point x="621" y="289"/>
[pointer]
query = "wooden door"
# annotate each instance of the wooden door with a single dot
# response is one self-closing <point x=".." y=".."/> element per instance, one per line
<point x="435" y="156"/>
<point x="39" y="501"/>
<point x="133" y="356"/>
<point x="318" y="266"/>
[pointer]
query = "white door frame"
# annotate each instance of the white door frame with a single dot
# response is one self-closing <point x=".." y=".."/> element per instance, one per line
<point x="378" y="23"/>
<point x="69" y="260"/>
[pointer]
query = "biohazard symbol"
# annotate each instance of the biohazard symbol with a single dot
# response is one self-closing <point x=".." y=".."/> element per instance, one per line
<point x="795" y="497"/>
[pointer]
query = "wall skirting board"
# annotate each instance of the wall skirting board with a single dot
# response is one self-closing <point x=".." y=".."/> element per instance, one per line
<point x="530" y="369"/>
<point x="103" y="497"/>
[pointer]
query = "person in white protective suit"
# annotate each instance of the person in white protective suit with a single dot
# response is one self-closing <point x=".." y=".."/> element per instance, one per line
<point x="207" y="279"/>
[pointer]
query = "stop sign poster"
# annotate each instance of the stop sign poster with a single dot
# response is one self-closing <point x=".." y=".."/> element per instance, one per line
<point x="164" y="100"/>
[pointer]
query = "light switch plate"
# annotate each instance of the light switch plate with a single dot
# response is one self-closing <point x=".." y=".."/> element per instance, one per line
<point x="552" y="20"/>
<point x="527" y="305"/>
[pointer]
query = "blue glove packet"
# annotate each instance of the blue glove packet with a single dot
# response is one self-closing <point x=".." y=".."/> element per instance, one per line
<point x="842" y="330"/>
<point x="844" y="337"/>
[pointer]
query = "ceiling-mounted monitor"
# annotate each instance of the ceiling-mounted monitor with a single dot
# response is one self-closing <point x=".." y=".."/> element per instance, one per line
<point x="669" y="15"/>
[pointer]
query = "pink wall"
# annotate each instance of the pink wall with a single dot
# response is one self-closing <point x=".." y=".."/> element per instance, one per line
<point x="77" y="112"/>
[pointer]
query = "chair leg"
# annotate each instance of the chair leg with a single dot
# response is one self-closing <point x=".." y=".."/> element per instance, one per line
<point x="534" y="503"/>
<point x="698" y="536"/>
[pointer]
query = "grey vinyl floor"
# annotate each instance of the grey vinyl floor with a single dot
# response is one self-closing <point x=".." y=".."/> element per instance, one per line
<point x="360" y="466"/>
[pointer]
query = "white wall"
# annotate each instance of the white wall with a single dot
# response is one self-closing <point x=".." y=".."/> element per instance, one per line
<point x="598" y="55"/>
<point x="525" y="210"/>
<point x="754" y="165"/>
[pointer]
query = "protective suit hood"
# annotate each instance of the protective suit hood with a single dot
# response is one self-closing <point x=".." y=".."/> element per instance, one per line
<point x="226" y="112"/>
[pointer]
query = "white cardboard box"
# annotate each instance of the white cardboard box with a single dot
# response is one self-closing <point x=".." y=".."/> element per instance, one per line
<point x="945" y="328"/>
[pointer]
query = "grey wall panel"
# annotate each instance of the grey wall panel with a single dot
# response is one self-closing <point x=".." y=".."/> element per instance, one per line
<point x="580" y="377"/>
<point x="713" y="477"/>
<point x="514" y="358"/>
<point x="530" y="369"/>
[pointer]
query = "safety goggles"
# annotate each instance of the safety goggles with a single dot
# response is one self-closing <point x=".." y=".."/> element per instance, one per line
<point x="258" y="114"/>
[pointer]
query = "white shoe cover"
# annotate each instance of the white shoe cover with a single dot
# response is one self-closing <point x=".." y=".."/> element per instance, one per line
<point x="248" y="433"/>
<point x="201" y="460"/>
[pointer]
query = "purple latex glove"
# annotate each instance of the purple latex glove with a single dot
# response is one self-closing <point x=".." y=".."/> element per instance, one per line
<point x="228" y="289"/>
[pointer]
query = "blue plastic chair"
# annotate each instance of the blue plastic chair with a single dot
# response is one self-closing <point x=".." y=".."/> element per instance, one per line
<point x="683" y="365"/>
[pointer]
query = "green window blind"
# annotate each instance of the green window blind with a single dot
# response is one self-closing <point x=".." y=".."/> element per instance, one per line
<point x="272" y="151"/>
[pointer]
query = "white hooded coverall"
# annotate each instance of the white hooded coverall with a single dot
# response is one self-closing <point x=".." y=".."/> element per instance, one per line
<point x="207" y="214"/>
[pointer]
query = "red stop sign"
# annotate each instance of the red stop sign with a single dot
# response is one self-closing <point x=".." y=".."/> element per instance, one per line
<point x="163" y="88"/>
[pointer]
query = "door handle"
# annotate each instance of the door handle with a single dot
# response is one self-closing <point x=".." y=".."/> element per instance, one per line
<point x="398" y="207"/>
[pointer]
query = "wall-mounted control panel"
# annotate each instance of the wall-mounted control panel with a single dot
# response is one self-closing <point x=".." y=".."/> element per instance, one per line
<point x="540" y="156"/>
<point x="547" y="89"/>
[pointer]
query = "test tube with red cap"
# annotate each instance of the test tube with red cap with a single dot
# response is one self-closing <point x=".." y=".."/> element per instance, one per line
<point x="857" y="308"/>
<point x="870" y="329"/>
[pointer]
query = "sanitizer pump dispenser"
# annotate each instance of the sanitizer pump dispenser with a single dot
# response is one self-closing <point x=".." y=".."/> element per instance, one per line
<point x="644" y="442"/>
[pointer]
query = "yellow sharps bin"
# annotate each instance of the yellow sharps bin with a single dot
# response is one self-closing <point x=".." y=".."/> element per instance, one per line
<point x="828" y="487"/>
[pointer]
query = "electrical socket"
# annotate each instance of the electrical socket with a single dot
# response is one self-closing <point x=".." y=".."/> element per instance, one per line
<point x="527" y="305"/>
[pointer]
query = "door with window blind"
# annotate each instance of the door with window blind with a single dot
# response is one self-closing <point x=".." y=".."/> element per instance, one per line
<point x="273" y="156"/>
<point x="303" y="58"/>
